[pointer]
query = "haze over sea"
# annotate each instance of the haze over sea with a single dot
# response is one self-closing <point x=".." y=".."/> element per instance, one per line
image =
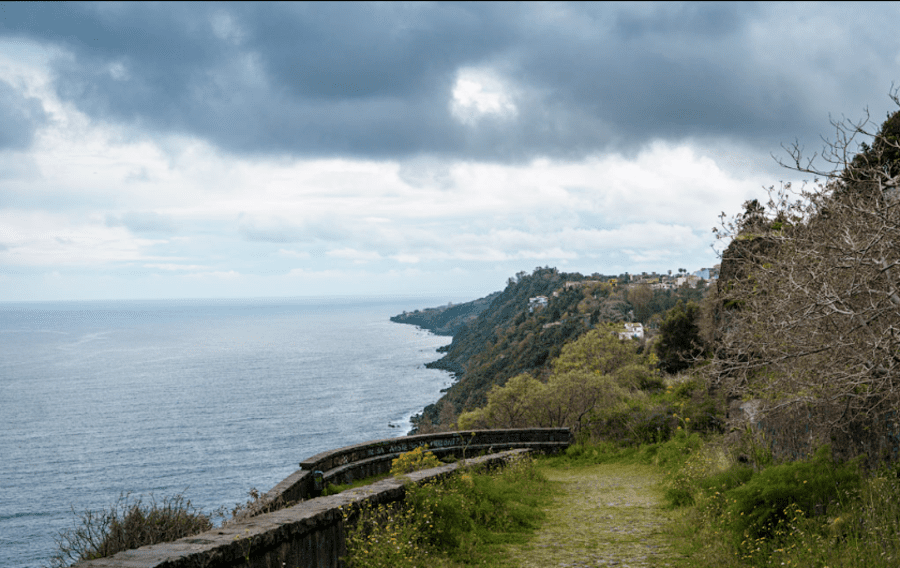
<point x="206" y="397"/>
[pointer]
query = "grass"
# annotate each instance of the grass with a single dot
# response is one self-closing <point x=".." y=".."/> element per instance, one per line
<point x="463" y="520"/>
<point x="595" y="504"/>
<point x="813" y="513"/>
<point x="333" y="488"/>
<point x="715" y="512"/>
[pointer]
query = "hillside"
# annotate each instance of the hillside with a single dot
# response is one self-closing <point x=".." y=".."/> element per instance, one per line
<point x="511" y="335"/>
<point x="446" y="320"/>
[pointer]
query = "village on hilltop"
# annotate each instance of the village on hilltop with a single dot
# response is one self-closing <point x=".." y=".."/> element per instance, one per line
<point x="635" y="330"/>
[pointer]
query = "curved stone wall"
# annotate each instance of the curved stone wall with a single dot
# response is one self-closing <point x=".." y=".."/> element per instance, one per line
<point x="310" y="533"/>
<point x="344" y="465"/>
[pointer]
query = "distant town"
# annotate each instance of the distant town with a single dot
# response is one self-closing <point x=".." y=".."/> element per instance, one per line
<point x="668" y="281"/>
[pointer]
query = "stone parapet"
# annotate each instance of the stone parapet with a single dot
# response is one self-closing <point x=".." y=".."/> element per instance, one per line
<point x="350" y="463"/>
<point x="309" y="534"/>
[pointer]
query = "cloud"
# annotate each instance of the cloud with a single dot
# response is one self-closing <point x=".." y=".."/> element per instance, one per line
<point x="277" y="229"/>
<point x="175" y="267"/>
<point x="216" y="275"/>
<point x="466" y="81"/>
<point x="20" y="117"/>
<point x="294" y="254"/>
<point x="142" y="222"/>
<point x="45" y="239"/>
<point x="357" y="256"/>
<point x="479" y="94"/>
<point x="307" y="148"/>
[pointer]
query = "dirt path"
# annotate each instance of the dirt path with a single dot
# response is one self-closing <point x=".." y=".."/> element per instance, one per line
<point x="607" y="515"/>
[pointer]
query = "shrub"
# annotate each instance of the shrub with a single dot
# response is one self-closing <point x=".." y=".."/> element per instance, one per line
<point x="637" y="421"/>
<point x="414" y="460"/>
<point x="128" y="524"/>
<point x="847" y="520"/>
<point x="757" y="507"/>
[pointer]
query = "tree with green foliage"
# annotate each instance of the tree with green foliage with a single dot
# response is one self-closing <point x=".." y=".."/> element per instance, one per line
<point x="640" y="296"/>
<point x="508" y="406"/>
<point x="598" y="351"/>
<point x="593" y="374"/>
<point x="571" y="397"/>
<point x="679" y="342"/>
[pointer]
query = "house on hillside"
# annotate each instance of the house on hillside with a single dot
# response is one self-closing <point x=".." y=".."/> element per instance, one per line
<point x="632" y="331"/>
<point x="690" y="280"/>
<point x="537" y="302"/>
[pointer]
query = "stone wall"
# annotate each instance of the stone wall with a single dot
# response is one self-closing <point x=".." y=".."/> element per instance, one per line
<point x="344" y="465"/>
<point x="310" y="533"/>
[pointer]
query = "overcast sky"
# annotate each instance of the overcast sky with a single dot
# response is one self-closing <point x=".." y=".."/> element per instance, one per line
<point x="248" y="150"/>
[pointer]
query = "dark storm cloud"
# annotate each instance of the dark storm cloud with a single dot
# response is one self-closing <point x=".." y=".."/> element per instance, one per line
<point x="375" y="80"/>
<point x="20" y="116"/>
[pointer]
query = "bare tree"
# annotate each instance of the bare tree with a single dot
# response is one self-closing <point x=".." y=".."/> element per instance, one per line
<point x="808" y="311"/>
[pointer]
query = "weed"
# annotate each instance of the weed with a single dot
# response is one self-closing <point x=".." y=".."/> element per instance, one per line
<point x="128" y="523"/>
<point x="460" y="520"/>
<point x="414" y="460"/>
<point x="813" y="513"/>
<point x="770" y="497"/>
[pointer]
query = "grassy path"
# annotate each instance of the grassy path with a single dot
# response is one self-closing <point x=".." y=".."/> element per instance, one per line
<point x="606" y="515"/>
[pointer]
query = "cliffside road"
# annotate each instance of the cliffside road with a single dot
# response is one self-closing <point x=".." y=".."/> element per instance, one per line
<point x="606" y="515"/>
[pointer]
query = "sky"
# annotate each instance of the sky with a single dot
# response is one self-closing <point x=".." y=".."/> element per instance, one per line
<point x="436" y="149"/>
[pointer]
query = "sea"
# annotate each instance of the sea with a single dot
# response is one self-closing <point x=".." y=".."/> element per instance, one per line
<point x="205" y="398"/>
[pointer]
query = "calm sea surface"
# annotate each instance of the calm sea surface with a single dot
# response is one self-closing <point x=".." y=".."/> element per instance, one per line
<point x="206" y="397"/>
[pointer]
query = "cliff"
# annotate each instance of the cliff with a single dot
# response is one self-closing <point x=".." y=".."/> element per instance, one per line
<point x="521" y="329"/>
<point x="446" y="320"/>
<point x="507" y="336"/>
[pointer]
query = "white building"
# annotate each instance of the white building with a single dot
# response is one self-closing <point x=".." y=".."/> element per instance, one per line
<point x="537" y="301"/>
<point x="632" y="331"/>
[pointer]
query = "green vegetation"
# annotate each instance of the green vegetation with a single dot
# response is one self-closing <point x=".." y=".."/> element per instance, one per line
<point x="679" y="338"/>
<point x="335" y="488"/>
<point x="593" y="378"/>
<point x="731" y="506"/>
<point x="446" y="320"/>
<point x="603" y="389"/>
<point x="511" y="337"/>
<point x="815" y="512"/>
<point x="414" y="460"/>
<point x="462" y="520"/>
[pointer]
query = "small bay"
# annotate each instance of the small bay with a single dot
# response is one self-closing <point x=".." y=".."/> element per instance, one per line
<point x="206" y="397"/>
